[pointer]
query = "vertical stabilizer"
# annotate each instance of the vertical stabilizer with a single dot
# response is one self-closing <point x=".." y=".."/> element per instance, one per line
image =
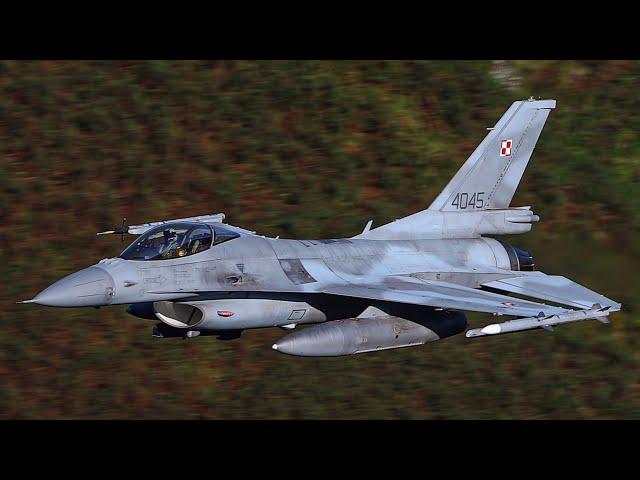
<point x="476" y="200"/>
<point x="490" y="176"/>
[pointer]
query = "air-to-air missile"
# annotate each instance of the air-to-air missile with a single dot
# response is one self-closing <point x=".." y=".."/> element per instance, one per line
<point x="597" y="312"/>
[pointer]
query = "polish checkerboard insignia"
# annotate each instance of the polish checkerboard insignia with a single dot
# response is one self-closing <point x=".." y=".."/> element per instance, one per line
<point x="505" y="148"/>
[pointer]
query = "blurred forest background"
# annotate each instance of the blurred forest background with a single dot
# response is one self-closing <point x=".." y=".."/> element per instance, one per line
<point x="308" y="149"/>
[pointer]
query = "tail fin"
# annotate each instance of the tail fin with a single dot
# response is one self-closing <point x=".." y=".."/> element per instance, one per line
<point x="490" y="176"/>
<point x="476" y="200"/>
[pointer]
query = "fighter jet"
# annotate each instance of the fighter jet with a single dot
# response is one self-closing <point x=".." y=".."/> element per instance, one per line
<point x="402" y="284"/>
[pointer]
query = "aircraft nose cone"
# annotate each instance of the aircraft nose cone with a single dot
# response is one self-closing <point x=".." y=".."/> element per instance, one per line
<point x="90" y="287"/>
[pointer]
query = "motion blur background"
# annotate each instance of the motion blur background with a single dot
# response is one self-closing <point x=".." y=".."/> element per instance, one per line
<point x="309" y="149"/>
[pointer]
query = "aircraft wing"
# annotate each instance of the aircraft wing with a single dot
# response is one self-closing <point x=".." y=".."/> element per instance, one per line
<point x="448" y="295"/>
<point x="441" y="294"/>
<point x="553" y="288"/>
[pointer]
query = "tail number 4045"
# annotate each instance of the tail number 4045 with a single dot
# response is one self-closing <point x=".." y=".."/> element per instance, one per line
<point x="465" y="200"/>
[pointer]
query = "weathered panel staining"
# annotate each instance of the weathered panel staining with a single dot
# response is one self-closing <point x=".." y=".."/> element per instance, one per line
<point x="296" y="272"/>
<point x="208" y="276"/>
<point x="467" y="279"/>
<point x="389" y="287"/>
<point x="334" y="240"/>
<point x="156" y="278"/>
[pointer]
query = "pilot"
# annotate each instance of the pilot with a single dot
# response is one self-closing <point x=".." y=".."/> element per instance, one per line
<point x="195" y="245"/>
<point x="169" y="237"/>
<point x="170" y="243"/>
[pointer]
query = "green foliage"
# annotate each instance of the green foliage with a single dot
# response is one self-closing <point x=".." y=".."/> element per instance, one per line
<point x="306" y="149"/>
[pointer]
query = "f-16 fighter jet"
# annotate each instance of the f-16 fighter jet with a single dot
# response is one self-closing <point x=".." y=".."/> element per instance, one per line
<point x="401" y="284"/>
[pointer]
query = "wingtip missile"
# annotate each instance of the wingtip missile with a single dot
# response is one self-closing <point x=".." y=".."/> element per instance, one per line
<point x="492" y="329"/>
<point x="545" y="322"/>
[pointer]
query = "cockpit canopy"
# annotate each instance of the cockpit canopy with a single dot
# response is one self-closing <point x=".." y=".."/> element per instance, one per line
<point x="174" y="240"/>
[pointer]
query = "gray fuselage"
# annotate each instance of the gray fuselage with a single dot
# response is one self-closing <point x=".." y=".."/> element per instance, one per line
<point x="267" y="282"/>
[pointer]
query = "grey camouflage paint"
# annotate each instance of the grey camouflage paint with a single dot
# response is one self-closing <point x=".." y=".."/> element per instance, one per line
<point x="436" y="260"/>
